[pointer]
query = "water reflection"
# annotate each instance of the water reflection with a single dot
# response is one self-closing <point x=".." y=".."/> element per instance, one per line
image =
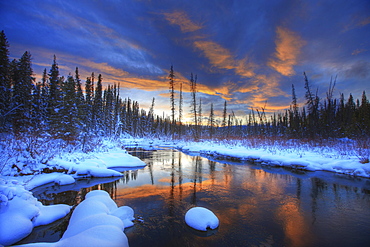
<point x="257" y="206"/>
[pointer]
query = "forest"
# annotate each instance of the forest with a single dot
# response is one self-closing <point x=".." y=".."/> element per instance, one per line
<point x="66" y="108"/>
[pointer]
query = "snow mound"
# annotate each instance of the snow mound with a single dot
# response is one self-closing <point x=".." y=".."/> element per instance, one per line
<point x="96" y="221"/>
<point x="201" y="218"/>
<point x="20" y="212"/>
<point x="94" y="224"/>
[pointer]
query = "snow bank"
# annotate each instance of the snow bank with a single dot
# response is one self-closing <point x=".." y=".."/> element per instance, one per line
<point x="97" y="164"/>
<point x="201" y="218"/>
<point x="304" y="160"/>
<point x="20" y="212"/>
<point x="55" y="177"/>
<point x="96" y="221"/>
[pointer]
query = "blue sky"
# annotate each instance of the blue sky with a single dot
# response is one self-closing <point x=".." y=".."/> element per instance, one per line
<point x="246" y="52"/>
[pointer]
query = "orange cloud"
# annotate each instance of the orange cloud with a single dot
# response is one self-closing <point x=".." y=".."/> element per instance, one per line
<point x="261" y="89"/>
<point x="288" y="48"/>
<point x="222" y="58"/>
<point x="182" y="20"/>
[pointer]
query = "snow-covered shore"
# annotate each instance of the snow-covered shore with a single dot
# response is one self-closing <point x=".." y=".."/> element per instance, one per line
<point x="306" y="160"/>
<point x="301" y="158"/>
<point x="20" y="212"/>
<point x="18" y="204"/>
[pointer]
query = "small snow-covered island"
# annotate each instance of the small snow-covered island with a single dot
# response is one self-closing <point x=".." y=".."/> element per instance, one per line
<point x="201" y="218"/>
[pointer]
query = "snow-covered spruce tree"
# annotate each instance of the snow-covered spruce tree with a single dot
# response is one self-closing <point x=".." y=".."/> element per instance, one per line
<point x="69" y="117"/>
<point x="193" y="105"/>
<point x="108" y="110"/>
<point x="80" y="102"/>
<point x="98" y="107"/>
<point x="294" y="116"/>
<point x="5" y="83"/>
<point x="44" y="98"/>
<point x="55" y="100"/>
<point x="180" y="111"/>
<point x="171" y="78"/>
<point x="89" y="97"/>
<point x="312" y="102"/>
<point x="224" y="116"/>
<point x="364" y="115"/>
<point x="211" y="122"/>
<point x="22" y="93"/>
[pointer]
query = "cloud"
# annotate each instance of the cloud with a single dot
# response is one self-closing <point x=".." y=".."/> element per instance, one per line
<point x="181" y="19"/>
<point x="222" y="58"/>
<point x="357" y="22"/>
<point x="358" y="51"/>
<point x="260" y="91"/>
<point x="288" y="48"/>
<point x="359" y="69"/>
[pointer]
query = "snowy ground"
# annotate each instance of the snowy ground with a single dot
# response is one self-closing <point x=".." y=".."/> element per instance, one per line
<point x="20" y="211"/>
<point x="329" y="159"/>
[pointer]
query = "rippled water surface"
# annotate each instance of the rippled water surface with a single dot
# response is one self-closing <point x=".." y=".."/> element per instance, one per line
<point x="256" y="206"/>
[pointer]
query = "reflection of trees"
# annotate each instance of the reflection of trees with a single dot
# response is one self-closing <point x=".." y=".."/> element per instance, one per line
<point x="197" y="177"/>
<point x="180" y="175"/>
<point x="212" y="169"/>
<point x="171" y="202"/>
<point x="129" y="175"/>
<point x="317" y="187"/>
<point x="150" y="167"/>
<point x="111" y="188"/>
<point x="66" y="197"/>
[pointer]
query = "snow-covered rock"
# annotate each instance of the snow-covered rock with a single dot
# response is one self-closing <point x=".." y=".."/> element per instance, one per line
<point x="201" y="218"/>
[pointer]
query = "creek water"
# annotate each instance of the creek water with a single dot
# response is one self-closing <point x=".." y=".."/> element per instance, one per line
<point x="256" y="205"/>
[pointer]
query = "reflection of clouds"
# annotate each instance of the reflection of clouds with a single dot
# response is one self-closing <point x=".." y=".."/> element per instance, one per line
<point x="296" y="227"/>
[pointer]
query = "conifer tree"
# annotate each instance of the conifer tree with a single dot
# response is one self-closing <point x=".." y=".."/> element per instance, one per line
<point x="151" y="117"/>
<point x="193" y="89"/>
<point x="225" y="114"/>
<point x="55" y="99"/>
<point x="312" y="102"/>
<point x="364" y="113"/>
<point x="200" y="119"/>
<point x="98" y="105"/>
<point x="69" y="119"/>
<point x="293" y="113"/>
<point x="171" y="78"/>
<point x="180" y="111"/>
<point x="89" y="103"/>
<point x="44" y="97"/>
<point x="211" y="122"/>
<point x="5" y="82"/>
<point x="80" y="99"/>
<point x="22" y="93"/>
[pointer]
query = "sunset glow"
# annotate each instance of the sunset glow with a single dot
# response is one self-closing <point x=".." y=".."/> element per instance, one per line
<point x="247" y="53"/>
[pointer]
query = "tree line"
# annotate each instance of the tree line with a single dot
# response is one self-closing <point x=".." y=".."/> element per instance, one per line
<point x="59" y="107"/>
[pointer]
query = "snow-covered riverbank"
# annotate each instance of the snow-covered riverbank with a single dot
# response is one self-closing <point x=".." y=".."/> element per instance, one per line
<point x="324" y="158"/>
<point x="19" y="206"/>
<point x="20" y="212"/>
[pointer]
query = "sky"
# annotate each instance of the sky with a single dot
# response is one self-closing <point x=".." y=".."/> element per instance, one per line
<point x="248" y="53"/>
